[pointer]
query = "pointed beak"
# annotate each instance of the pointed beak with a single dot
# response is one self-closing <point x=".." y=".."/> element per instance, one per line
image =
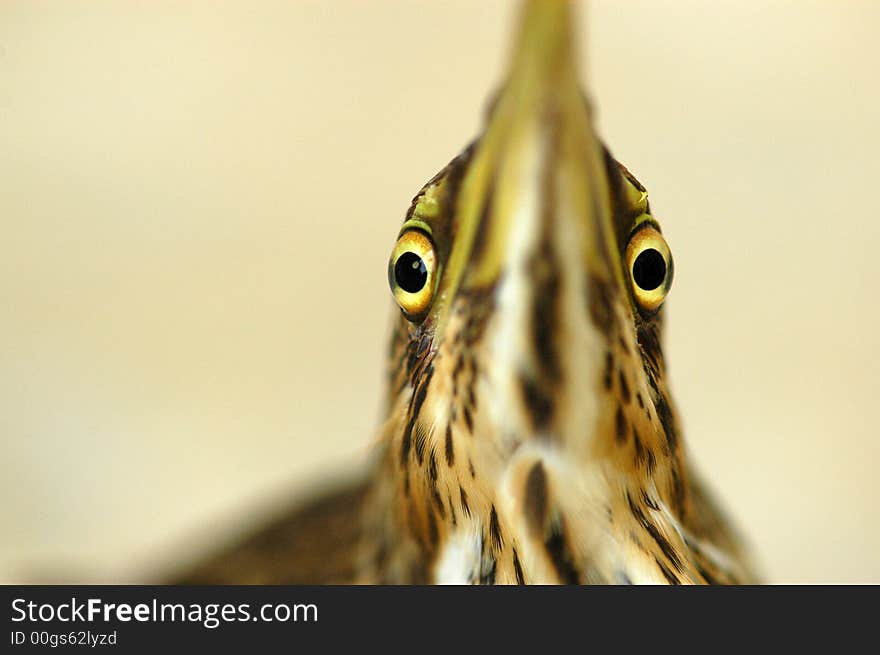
<point x="539" y="166"/>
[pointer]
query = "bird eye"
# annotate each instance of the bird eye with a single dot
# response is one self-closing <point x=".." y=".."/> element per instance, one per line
<point x="650" y="267"/>
<point x="412" y="272"/>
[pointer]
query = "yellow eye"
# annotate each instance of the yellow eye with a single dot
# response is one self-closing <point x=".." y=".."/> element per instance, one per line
<point x="412" y="273"/>
<point x="649" y="262"/>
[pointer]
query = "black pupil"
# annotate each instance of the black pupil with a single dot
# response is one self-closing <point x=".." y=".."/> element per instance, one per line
<point x="410" y="272"/>
<point x="649" y="269"/>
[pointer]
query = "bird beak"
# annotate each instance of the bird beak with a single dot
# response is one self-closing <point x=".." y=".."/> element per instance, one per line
<point x="539" y="165"/>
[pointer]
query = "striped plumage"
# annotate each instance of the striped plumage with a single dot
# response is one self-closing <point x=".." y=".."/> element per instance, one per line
<point x="531" y="437"/>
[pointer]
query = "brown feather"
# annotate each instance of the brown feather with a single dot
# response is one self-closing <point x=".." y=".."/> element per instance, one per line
<point x="312" y="543"/>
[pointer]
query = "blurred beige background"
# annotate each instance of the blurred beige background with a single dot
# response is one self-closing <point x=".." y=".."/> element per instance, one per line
<point x="197" y="201"/>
